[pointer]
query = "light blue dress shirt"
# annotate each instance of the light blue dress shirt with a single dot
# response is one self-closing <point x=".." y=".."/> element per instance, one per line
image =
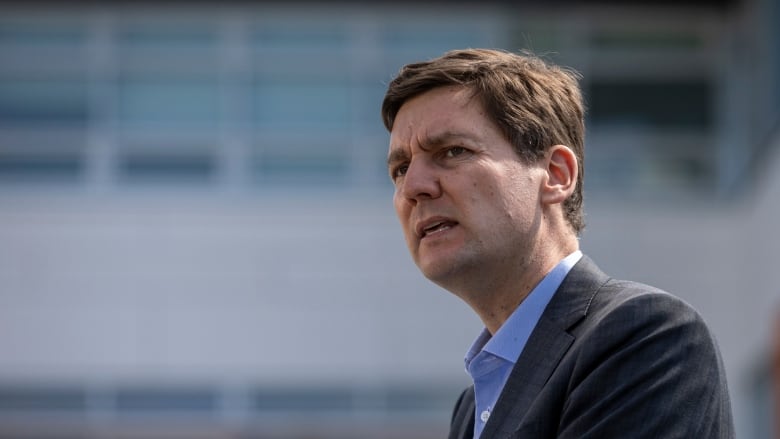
<point x="490" y="360"/>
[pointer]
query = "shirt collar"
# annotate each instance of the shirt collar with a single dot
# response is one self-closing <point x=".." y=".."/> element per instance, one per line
<point x="511" y="337"/>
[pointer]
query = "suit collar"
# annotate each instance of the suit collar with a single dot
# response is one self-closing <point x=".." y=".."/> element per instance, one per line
<point x="572" y="300"/>
<point x="548" y="343"/>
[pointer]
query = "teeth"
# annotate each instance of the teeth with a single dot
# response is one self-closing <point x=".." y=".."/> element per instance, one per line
<point x="434" y="226"/>
<point x="437" y="227"/>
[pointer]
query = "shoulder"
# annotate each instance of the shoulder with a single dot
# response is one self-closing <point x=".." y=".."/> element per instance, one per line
<point x="621" y="302"/>
<point x="589" y="297"/>
<point x="652" y="324"/>
<point x="591" y="303"/>
<point x="642" y="350"/>
<point x="637" y="349"/>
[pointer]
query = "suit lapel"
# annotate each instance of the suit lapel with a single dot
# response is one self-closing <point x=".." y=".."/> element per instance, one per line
<point x="463" y="420"/>
<point x="548" y="343"/>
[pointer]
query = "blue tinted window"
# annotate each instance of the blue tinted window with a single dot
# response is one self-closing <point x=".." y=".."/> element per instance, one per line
<point x="324" y="40"/>
<point x="24" y="101"/>
<point x="32" y="35"/>
<point x="673" y="103"/>
<point x="413" y="44"/>
<point x="303" y="105"/>
<point x="172" y="38"/>
<point x="166" y="167"/>
<point x="168" y="102"/>
<point x="137" y="400"/>
<point x="40" y="168"/>
<point x="43" y="398"/>
<point x="32" y="48"/>
<point x="370" y="96"/>
<point x="274" y="168"/>
<point x="774" y="32"/>
<point x="296" y="161"/>
<point x="182" y="49"/>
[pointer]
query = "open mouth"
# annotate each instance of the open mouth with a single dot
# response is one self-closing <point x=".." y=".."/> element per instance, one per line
<point x="437" y="227"/>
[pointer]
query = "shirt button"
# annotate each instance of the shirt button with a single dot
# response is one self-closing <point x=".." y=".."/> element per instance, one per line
<point x="484" y="415"/>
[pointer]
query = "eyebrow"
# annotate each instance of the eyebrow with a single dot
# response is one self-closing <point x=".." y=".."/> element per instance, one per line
<point x="397" y="156"/>
<point x="428" y="143"/>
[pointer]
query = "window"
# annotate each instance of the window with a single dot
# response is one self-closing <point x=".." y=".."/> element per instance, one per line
<point x="42" y="129"/>
<point x="305" y="104"/>
<point x="294" y="160"/>
<point x="168" y="103"/>
<point x="651" y="103"/>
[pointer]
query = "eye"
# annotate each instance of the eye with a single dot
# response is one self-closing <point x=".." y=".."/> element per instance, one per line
<point x="454" y="151"/>
<point x="399" y="171"/>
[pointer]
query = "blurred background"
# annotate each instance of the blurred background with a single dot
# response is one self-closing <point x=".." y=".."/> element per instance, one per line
<point x="196" y="231"/>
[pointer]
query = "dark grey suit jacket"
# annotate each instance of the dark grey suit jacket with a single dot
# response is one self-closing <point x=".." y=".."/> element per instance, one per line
<point x="610" y="359"/>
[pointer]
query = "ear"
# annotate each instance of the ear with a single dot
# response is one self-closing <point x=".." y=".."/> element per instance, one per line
<point x="561" y="174"/>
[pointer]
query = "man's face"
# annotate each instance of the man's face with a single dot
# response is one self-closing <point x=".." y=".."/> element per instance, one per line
<point x="468" y="206"/>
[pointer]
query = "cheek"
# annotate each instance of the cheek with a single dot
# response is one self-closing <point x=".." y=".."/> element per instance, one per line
<point x="498" y="203"/>
<point x="397" y="203"/>
<point x="483" y="203"/>
<point x="402" y="211"/>
<point x="484" y="192"/>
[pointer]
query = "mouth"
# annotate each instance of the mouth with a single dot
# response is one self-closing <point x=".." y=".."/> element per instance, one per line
<point x="433" y="227"/>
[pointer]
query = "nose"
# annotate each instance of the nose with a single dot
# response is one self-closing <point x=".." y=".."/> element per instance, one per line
<point x="420" y="181"/>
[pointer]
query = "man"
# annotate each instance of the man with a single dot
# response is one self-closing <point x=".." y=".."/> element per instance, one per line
<point x="486" y="155"/>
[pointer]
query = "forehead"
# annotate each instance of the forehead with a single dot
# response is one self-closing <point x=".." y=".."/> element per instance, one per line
<point x="451" y="109"/>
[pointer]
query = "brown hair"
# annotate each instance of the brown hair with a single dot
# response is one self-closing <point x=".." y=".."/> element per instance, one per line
<point x="535" y="103"/>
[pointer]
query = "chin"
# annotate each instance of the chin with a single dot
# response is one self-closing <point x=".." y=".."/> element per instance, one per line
<point x="439" y="272"/>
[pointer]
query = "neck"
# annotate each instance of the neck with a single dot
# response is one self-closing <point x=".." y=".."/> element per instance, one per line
<point x="499" y="294"/>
